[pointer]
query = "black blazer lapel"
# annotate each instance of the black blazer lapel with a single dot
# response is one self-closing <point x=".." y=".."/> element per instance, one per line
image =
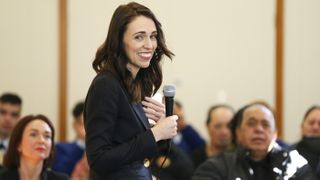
<point x="138" y="109"/>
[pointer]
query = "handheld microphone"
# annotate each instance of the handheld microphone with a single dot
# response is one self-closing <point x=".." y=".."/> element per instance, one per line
<point x="169" y="91"/>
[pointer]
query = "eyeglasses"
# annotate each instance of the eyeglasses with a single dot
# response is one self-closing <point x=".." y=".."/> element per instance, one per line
<point x="4" y="112"/>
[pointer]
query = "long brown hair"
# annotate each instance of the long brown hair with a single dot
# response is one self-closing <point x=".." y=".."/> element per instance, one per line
<point x="12" y="157"/>
<point x="111" y="56"/>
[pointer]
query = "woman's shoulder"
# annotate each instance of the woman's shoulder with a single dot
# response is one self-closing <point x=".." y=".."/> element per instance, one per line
<point x="53" y="175"/>
<point x="106" y="77"/>
<point x="10" y="174"/>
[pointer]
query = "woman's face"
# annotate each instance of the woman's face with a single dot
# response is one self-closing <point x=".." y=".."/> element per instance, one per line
<point x="36" y="141"/>
<point x="311" y="125"/>
<point x="140" y="42"/>
<point x="218" y="127"/>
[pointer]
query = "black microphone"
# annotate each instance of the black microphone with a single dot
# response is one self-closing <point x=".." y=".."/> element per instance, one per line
<point x="165" y="145"/>
<point x="169" y="91"/>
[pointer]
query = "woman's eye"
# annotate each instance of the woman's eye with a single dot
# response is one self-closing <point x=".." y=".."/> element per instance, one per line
<point x="153" y="37"/>
<point x="138" y="37"/>
<point x="33" y="134"/>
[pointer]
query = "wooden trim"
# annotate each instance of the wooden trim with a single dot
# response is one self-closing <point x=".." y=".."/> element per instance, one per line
<point x="62" y="105"/>
<point x="279" y="66"/>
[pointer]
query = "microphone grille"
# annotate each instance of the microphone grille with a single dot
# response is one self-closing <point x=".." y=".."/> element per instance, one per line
<point x="169" y="90"/>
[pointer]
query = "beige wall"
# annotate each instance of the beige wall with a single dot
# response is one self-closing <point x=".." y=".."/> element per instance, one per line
<point x="224" y="53"/>
<point x="302" y="62"/>
<point x="28" y="54"/>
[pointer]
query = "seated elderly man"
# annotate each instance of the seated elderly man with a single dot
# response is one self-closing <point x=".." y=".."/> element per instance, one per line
<point x="258" y="156"/>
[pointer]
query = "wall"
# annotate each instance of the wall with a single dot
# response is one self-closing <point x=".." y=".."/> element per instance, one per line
<point x="29" y="54"/>
<point x="302" y="62"/>
<point x="224" y="53"/>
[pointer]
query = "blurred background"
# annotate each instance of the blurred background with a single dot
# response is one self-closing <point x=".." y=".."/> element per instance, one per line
<point x="225" y="53"/>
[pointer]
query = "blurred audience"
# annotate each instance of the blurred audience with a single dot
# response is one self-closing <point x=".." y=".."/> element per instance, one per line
<point x="311" y="122"/>
<point x="218" y="119"/>
<point x="68" y="154"/>
<point x="309" y="145"/>
<point x="30" y="151"/>
<point x="257" y="156"/>
<point x="10" y="109"/>
<point x="188" y="139"/>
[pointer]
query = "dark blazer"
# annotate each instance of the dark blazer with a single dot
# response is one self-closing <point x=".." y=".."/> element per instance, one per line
<point x="13" y="174"/>
<point x="118" y="135"/>
<point x="66" y="156"/>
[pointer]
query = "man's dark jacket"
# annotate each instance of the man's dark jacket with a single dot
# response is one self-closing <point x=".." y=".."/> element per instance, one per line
<point x="279" y="164"/>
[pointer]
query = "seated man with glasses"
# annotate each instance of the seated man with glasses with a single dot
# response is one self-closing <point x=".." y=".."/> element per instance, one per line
<point x="10" y="108"/>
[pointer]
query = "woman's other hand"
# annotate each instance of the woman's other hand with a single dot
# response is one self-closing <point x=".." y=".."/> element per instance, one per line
<point x="154" y="110"/>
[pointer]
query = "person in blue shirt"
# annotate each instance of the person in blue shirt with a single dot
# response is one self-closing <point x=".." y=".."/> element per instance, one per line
<point x="187" y="139"/>
<point x="68" y="154"/>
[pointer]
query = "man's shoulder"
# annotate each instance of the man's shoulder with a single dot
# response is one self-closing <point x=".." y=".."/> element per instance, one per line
<point x="292" y="163"/>
<point x="9" y="173"/>
<point x="67" y="146"/>
<point x="216" y="167"/>
<point x="68" y="150"/>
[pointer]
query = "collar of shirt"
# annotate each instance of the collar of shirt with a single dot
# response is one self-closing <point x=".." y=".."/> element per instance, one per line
<point x="81" y="143"/>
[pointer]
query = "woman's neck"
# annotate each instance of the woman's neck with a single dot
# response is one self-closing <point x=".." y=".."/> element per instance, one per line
<point x="134" y="70"/>
<point x="30" y="170"/>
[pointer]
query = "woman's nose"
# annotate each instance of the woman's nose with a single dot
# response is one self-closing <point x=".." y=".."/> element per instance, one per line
<point x="41" y="139"/>
<point x="148" y="43"/>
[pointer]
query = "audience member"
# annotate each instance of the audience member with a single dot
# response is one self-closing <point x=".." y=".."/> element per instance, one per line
<point x="311" y="122"/>
<point x="239" y="114"/>
<point x="188" y="139"/>
<point x="218" y="119"/>
<point x="234" y="123"/>
<point x="257" y="156"/>
<point x="68" y="154"/>
<point x="309" y="145"/>
<point x="279" y="141"/>
<point x="10" y="109"/>
<point x="30" y="151"/>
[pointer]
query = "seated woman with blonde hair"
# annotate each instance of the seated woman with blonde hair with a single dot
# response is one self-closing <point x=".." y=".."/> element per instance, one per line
<point x="30" y="151"/>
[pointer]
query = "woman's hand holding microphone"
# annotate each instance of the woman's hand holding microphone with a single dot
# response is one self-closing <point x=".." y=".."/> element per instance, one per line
<point x="162" y="127"/>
